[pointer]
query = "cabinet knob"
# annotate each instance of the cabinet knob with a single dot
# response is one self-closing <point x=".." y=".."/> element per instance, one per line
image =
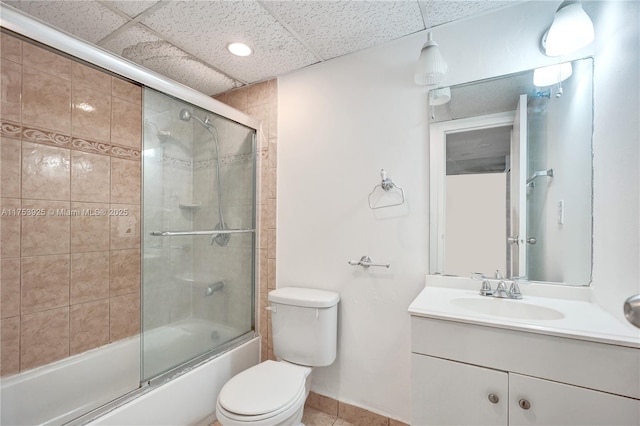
<point x="524" y="404"/>
<point x="493" y="398"/>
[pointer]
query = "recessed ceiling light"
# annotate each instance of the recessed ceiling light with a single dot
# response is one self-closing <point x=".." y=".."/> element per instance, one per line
<point x="239" y="49"/>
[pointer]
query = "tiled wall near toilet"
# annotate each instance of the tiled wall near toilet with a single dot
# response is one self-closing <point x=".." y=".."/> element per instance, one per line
<point x="260" y="100"/>
<point x="70" y="146"/>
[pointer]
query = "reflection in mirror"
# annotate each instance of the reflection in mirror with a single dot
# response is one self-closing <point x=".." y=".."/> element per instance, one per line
<point x="511" y="175"/>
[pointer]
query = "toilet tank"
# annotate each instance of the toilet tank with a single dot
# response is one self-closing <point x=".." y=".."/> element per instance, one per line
<point x="304" y="325"/>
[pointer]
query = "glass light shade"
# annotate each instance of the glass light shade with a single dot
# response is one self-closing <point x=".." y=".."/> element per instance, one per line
<point x="552" y="74"/>
<point x="439" y="96"/>
<point x="570" y="30"/>
<point x="432" y="67"/>
<point x="239" y="49"/>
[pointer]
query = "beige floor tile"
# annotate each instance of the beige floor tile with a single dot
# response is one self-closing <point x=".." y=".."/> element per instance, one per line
<point x="313" y="417"/>
<point x="342" y="422"/>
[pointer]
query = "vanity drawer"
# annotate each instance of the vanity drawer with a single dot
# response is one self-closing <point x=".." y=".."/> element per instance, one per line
<point x="571" y="361"/>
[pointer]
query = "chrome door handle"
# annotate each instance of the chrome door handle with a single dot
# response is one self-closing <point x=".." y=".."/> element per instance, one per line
<point x="513" y="240"/>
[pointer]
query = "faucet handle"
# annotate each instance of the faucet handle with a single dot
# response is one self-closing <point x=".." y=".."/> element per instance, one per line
<point x="514" y="290"/>
<point x="485" y="289"/>
<point x="477" y="276"/>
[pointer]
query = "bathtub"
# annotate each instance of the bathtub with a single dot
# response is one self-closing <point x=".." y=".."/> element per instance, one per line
<point x="61" y="391"/>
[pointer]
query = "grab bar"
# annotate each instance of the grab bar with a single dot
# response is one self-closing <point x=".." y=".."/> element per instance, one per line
<point x="189" y="233"/>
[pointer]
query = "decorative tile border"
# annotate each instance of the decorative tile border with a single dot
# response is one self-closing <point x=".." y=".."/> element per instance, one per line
<point x="10" y="130"/>
<point x="90" y="146"/>
<point x="125" y="152"/>
<point x="179" y="163"/>
<point x="61" y="140"/>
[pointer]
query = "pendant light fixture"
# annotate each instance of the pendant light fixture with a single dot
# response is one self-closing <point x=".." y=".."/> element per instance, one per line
<point x="432" y="67"/>
<point x="570" y="30"/>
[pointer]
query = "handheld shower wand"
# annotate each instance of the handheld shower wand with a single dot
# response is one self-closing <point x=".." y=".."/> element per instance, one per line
<point x="220" y="239"/>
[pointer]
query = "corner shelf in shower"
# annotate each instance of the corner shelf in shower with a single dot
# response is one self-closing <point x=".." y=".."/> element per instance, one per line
<point x="194" y="205"/>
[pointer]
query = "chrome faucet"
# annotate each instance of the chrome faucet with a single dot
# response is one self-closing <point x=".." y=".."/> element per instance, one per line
<point x="501" y="291"/>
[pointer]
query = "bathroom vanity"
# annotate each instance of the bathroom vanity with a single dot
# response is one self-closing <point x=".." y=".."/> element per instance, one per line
<point x="551" y="358"/>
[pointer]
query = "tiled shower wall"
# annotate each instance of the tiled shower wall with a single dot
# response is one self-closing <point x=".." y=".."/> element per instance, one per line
<point x="260" y="100"/>
<point x="70" y="201"/>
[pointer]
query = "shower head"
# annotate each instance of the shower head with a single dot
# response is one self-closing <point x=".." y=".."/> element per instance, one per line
<point x="185" y="115"/>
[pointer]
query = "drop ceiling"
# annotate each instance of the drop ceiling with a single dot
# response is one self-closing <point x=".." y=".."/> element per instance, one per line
<point x="186" y="40"/>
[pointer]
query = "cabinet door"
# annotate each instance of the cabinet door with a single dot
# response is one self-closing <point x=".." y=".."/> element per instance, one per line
<point x="451" y="393"/>
<point x="552" y="403"/>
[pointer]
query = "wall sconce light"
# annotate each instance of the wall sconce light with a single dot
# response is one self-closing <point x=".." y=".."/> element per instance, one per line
<point x="570" y="30"/>
<point x="432" y="67"/>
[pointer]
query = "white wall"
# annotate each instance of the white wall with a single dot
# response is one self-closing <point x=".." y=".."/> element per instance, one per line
<point x="341" y="121"/>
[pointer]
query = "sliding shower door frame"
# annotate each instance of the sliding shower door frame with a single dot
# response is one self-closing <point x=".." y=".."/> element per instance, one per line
<point x="23" y="25"/>
<point x="176" y="371"/>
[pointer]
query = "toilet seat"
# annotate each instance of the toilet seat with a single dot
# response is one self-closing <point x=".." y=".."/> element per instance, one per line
<point x="264" y="391"/>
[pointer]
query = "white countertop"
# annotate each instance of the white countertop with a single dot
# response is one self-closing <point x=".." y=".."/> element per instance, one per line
<point x="580" y="318"/>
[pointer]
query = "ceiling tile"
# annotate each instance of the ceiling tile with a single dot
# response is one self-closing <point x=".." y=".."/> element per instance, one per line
<point x="440" y="12"/>
<point x="130" y="37"/>
<point x="87" y="20"/>
<point x="335" y="28"/>
<point x="206" y="28"/>
<point x="168" y="60"/>
<point x="131" y="8"/>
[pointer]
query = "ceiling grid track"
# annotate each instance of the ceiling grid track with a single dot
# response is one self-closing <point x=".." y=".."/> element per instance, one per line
<point x="425" y="14"/>
<point x="132" y="21"/>
<point x="291" y="31"/>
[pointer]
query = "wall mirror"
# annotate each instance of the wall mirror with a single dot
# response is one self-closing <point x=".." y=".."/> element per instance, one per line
<point x="511" y="178"/>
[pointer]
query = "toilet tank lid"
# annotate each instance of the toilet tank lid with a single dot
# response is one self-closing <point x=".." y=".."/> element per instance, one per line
<point x="305" y="297"/>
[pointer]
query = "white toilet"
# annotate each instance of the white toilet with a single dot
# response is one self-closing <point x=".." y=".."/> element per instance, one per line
<point x="304" y="326"/>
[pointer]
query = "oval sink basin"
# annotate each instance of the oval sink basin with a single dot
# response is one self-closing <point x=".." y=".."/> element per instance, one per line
<point x="508" y="308"/>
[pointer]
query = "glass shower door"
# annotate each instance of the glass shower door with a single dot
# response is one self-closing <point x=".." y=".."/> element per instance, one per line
<point x="199" y="232"/>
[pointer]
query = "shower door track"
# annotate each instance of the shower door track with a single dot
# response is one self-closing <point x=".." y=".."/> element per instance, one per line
<point x="162" y="378"/>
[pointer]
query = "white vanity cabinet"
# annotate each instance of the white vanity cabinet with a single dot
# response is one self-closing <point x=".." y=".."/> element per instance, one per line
<point x="452" y="393"/>
<point x="551" y="403"/>
<point x="467" y="374"/>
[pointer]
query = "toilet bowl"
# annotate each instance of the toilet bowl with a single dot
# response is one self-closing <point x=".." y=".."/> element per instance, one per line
<point x="250" y="398"/>
<point x="304" y="330"/>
